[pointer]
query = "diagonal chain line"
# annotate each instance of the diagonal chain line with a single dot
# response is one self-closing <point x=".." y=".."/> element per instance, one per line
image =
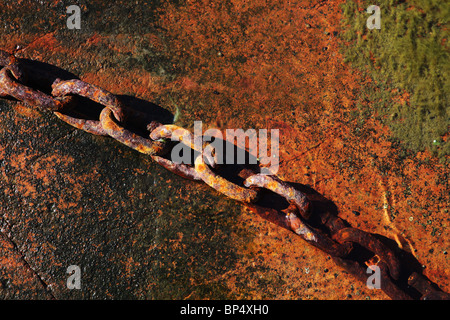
<point x="262" y="194"/>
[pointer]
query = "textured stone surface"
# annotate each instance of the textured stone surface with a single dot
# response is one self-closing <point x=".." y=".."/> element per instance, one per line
<point x="140" y="232"/>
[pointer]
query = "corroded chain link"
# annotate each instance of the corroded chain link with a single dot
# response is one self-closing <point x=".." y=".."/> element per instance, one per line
<point x="266" y="195"/>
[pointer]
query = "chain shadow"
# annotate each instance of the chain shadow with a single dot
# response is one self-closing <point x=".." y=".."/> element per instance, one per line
<point x="274" y="206"/>
<point x="409" y="263"/>
<point x="42" y="75"/>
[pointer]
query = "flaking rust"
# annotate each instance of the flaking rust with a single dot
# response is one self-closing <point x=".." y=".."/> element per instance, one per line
<point x="183" y="170"/>
<point x="10" y="62"/>
<point x="12" y="88"/>
<point x="114" y="111"/>
<point x="95" y="93"/>
<point x="177" y="133"/>
<point x="352" y="235"/>
<point x="320" y="228"/>
<point x="280" y="187"/>
<point x="184" y="136"/>
<point x="127" y="137"/>
<point x="298" y="203"/>
<point x="91" y="126"/>
<point x="174" y="132"/>
<point x="222" y="185"/>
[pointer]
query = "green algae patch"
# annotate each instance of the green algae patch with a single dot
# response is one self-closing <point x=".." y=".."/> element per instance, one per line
<point x="408" y="59"/>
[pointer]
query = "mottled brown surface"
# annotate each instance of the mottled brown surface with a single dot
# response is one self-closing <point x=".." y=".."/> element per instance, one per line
<point x="138" y="231"/>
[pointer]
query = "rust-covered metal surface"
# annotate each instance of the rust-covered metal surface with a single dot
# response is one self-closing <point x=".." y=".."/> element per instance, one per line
<point x="138" y="231"/>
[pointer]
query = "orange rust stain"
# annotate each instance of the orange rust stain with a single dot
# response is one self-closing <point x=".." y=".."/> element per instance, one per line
<point x="290" y="76"/>
<point x="19" y="161"/>
<point x="45" y="167"/>
<point x="47" y="41"/>
<point x="140" y="83"/>
<point x="272" y="185"/>
<point x="94" y="40"/>
<point x="188" y="83"/>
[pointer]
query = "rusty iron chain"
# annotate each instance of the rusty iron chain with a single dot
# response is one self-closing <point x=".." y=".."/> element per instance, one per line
<point x="351" y="248"/>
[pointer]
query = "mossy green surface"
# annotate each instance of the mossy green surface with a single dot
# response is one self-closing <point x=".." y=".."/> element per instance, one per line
<point x="409" y="54"/>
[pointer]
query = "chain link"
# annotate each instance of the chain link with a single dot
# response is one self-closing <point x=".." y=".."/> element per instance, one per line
<point x="266" y="195"/>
